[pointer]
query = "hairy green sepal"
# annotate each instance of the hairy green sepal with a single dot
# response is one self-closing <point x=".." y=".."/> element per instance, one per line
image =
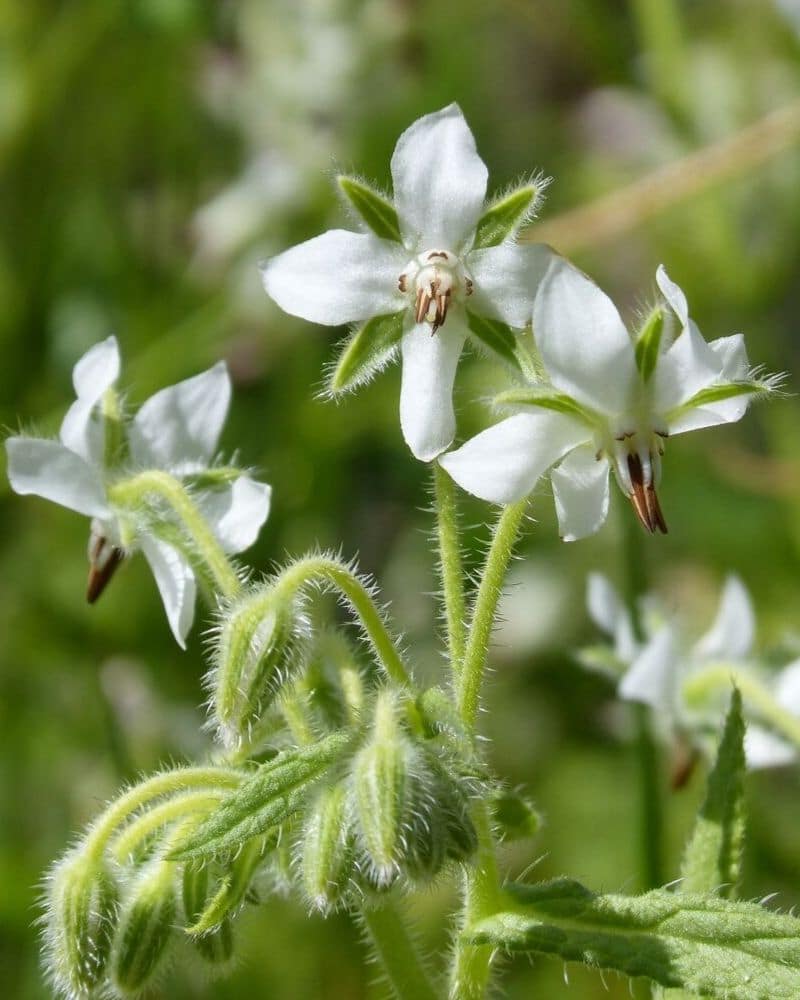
<point x="376" y="211"/>
<point x="505" y="216"/>
<point x="366" y="351"/>
<point x="710" y="946"/>
<point x="544" y="399"/>
<point x="648" y="344"/>
<point x="275" y="792"/>
<point x="502" y="342"/>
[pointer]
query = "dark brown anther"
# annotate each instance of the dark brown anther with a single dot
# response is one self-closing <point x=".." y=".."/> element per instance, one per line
<point x="684" y="762"/>
<point x="644" y="499"/>
<point x="423" y="303"/>
<point x="402" y="283"/>
<point x="104" y="559"/>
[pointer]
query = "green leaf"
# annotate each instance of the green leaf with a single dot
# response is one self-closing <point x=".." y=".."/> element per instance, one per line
<point x="378" y="212"/>
<point x="516" y="817"/>
<point x="365" y="352"/>
<point x="713" y="855"/>
<point x="710" y="946"/>
<point x="545" y="400"/>
<point x="649" y="343"/>
<point x="274" y="793"/>
<point x="501" y="341"/>
<point x="505" y="216"/>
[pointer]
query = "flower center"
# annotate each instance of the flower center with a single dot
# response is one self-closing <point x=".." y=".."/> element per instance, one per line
<point x="433" y="280"/>
<point x="636" y="457"/>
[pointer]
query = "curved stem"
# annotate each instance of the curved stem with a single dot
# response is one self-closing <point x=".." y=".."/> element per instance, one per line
<point x="469" y="975"/>
<point x="328" y="571"/>
<point x="489" y="590"/>
<point x="143" y="826"/>
<point x="131" y="493"/>
<point x="179" y="780"/>
<point x="397" y="954"/>
<point x="754" y="693"/>
<point x="450" y="566"/>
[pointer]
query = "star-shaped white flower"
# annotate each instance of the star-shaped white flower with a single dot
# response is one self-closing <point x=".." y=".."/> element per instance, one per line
<point x="422" y="271"/>
<point x="688" y="686"/>
<point x="610" y="404"/>
<point x="176" y="431"/>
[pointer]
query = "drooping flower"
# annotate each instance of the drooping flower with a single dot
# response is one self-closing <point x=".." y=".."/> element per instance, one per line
<point x="436" y="267"/>
<point x="611" y="402"/>
<point x="688" y="684"/>
<point x="175" y="431"/>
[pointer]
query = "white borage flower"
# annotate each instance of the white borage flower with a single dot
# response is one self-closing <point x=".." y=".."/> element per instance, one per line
<point x="688" y="685"/>
<point x="175" y="431"/>
<point x="437" y="266"/>
<point x="610" y="403"/>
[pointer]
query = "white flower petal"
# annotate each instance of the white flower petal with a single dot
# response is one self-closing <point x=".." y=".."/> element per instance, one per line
<point x="178" y="428"/>
<point x="338" y="277"/>
<point x="580" y="490"/>
<point x="426" y="389"/>
<point x="583" y="342"/>
<point x="439" y="181"/>
<point x="787" y="688"/>
<point x="237" y="512"/>
<point x="764" y="749"/>
<point x="608" y="612"/>
<point x="687" y="366"/>
<point x="503" y="463"/>
<point x="674" y="295"/>
<point x="506" y="279"/>
<point x="49" y="469"/>
<point x="732" y="352"/>
<point x="732" y="633"/>
<point x="653" y="677"/>
<point x="81" y="429"/>
<point x="176" y="584"/>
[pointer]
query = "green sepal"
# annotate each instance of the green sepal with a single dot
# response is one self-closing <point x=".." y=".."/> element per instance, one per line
<point x="216" y="945"/>
<point x="231" y="891"/>
<point x="648" y="344"/>
<point x="365" y="352"/>
<point x="146" y="922"/>
<point x="719" y="393"/>
<point x="544" y="399"/>
<point x="504" y="216"/>
<point x="275" y="792"/>
<point x="376" y="210"/>
<point x="710" y="946"/>
<point x="327" y="848"/>
<point x="515" y="816"/>
<point x="502" y="342"/>
<point x="712" y="860"/>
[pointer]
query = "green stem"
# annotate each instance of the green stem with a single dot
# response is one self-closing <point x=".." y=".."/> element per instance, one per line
<point x="397" y="954"/>
<point x="484" y="609"/>
<point x="136" y="832"/>
<point x="179" y="780"/>
<point x="450" y="566"/>
<point x="132" y="494"/>
<point x="469" y="976"/>
<point x="325" y="570"/>
<point x="651" y="817"/>
<point x="757" y="695"/>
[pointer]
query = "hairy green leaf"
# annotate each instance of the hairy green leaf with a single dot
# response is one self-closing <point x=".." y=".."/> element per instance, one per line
<point x="505" y="216"/>
<point x="378" y="212"/>
<point x="274" y="793"/>
<point x="710" y="946"/>
<point x="365" y="352"/>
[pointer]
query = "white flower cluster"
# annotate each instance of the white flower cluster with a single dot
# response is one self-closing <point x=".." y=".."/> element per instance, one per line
<point x="687" y="684"/>
<point x="607" y="399"/>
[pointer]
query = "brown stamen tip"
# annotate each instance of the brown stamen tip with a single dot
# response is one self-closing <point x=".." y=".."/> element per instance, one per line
<point x="423" y="303"/>
<point x="644" y="498"/>
<point x="655" y="510"/>
<point x="101" y="569"/>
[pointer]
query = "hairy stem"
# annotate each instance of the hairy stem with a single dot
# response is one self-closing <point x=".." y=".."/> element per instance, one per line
<point x="179" y="807"/>
<point x="471" y="967"/>
<point x="397" y="954"/>
<point x="132" y="493"/>
<point x="450" y="566"/>
<point x="483" y="614"/>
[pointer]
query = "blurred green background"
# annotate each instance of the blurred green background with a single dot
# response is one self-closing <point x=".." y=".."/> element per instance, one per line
<point x="151" y="151"/>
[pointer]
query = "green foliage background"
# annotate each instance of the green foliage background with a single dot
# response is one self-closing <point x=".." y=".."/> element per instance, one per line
<point x="119" y="121"/>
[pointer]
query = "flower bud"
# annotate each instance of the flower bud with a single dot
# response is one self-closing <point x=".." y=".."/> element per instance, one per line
<point x="146" y="923"/>
<point x="254" y="656"/>
<point x="81" y="903"/>
<point x="216" y="945"/>
<point x="381" y="774"/>
<point x="326" y="854"/>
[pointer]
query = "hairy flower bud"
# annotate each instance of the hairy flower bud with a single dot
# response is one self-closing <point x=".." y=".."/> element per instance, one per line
<point x="381" y="775"/>
<point x="326" y="848"/>
<point x="81" y="902"/>
<point x="254" y="656"/>
<point x="146" y="923"/>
